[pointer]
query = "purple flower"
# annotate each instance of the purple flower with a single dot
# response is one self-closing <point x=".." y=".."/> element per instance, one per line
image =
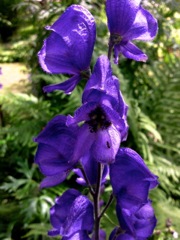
<point x="137" y="225"/>
<point x="55" y="151"/>
<point x="103" y="115"/>
<point x="128" y="21"/>
<point x="69" y="47"/>
<point x="72" y="216"/>
<point x="131" y="181"/>
<point x="135" y="179"/>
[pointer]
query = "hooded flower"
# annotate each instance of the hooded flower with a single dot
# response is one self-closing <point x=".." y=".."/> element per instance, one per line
<point x="103" y="115"/>
<point x="55" y="151"/>
<point x="72" y="216"/>
<point x="138" y="225"/>
<point x="136" y="179"/>
<point x="128" y="21"/>
<point x="131" y="181"/>
<point x="69" y="47"/>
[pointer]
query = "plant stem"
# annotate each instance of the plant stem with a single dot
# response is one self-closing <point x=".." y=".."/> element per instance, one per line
<point x="110" y="50"/>
<point x="96" y="201"/>
<point x="87" y="181"/>
<point x="107" y="205"/>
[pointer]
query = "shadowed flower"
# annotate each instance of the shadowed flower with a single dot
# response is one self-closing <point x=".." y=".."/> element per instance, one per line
<point x="138" y="225"/>
<point x="103" y="115"/>
<point x="69" y="47"/>
<point x="128" y="21"/>
<point x="136" y="179"/>
<point x="72" y="216"/>
<point x="134" y="211"/>
<point x="55" y="151"/>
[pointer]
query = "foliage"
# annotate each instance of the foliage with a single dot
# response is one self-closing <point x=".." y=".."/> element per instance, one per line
<point x="152" y="93"/>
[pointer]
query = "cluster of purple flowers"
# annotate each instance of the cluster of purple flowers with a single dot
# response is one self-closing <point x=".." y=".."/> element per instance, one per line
<point x="88" y="143"/>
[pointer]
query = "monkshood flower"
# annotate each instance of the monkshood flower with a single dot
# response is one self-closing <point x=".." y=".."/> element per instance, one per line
<point x="138" y="225"/>
<point x="72" y="216"/>
<point x="103" y="115"/>
<point x="131" y="181"/>
<point x="68" y="49"/>
<point x="128" y="21"/>
<point x="55" y="155"/>
<point x="136" y="179"/>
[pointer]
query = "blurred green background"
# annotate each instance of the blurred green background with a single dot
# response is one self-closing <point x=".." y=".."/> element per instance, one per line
<point x="151" y="90"/>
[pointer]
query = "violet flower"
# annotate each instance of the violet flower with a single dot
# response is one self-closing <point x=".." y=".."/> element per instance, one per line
<point x="138" y="225"/>
<point x="55" y="155"/>
<point x="69" y="47"/>
<point x="131" y="181"/>
<point x="72" y="216"/>
<point x="128" y="21"/>
<point x="136" y="179"/>
<point x="103" y="115"/>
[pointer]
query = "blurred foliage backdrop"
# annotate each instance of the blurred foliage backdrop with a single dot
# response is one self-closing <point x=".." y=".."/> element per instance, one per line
<point x="151" y="90"/>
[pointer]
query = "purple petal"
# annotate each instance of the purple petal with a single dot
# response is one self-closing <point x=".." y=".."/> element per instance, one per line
<point x="90" y="166"/>
<point x="131" y="178"/>
<point x="120" y="123"/>
<point x="53" y="180"/>
<point x="145" y="221"/>
<point x="57" y="135"/>
<point x="67" y="86"/>
<point x="84" y="141"/>
<point x="121" y="15"/>
<point x="144" y="27"/>
<point x="53" y="56"/>
<point x="50" y="161"/>
<point x="140" y="224"/>
<point x="69" y="47"/>
<point x="82" y="113"/>
<point x="106" y="145"/>
<point x="105" y="84"/>
<point x="80" y="217"/>
<point x="81" y="235"/>
<point x="129" y="50"/>
<point x="101" y="74"/>
<point x="60" y="211"/>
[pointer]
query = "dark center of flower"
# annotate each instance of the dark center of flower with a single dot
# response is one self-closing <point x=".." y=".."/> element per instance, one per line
<point x="86" y="73"/>
<point x="98" y="120"/>
<point x="115" y="39"/>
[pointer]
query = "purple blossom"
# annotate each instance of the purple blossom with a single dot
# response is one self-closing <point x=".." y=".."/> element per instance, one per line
<point x="137" y="225"/>
<point x="131" y="181"/>
<point x="103" y="114"/>
<point x="69" y="47"/>
<point x="136" y="179"/>
<point x="72" y="216"/>
<point x="128" y="21"/>
<point x="55" y="151"/>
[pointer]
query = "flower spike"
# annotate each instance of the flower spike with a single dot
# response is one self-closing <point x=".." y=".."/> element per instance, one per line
<point x="69" y="47"/>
